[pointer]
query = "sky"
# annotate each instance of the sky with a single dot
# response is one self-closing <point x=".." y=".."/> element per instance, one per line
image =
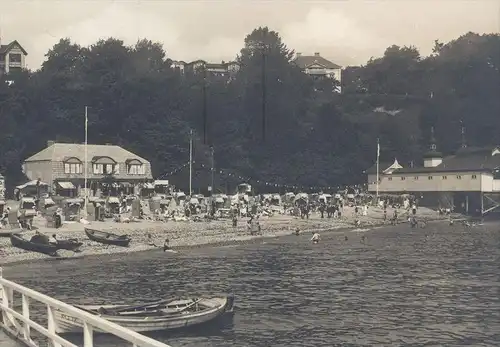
<point x="346" y="32"/>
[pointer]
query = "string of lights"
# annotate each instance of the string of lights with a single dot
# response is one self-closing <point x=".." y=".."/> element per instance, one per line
<point x="260" y="182"/>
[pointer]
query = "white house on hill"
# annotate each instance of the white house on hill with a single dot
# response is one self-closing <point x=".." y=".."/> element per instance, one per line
<point x="319" y="67"/>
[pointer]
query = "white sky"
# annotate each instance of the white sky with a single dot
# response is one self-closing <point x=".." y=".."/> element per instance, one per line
<point x="346" y="32"/>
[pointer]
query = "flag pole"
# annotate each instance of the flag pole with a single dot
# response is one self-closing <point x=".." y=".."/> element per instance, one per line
<point x="378" y="159"/>
<point x="86" y="162"/>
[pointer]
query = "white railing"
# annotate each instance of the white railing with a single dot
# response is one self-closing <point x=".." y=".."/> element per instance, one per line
<point x="11" y="318"/>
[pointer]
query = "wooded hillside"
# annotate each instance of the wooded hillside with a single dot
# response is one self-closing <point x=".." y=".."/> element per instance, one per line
<point x="313" y="136"/>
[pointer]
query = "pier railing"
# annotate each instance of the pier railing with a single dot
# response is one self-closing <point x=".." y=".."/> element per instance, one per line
<point x="19" y="324"/>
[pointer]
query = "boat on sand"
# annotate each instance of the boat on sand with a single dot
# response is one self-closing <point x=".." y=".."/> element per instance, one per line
<point x="46" y="248"/>
<point x="70" y="245"/>
<point x="161" y="315"/>
<point x="107" y="238"/>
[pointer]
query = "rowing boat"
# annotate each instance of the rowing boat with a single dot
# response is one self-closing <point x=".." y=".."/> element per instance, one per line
<point x="46" y="248"/>
<point x="107" y="238"/>
<point x="162" y="315"/>
<point x="70" y="244"/>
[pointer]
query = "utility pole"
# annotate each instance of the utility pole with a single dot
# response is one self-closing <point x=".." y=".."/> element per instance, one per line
<point x="205" y="116"/>
<point x="264" y="91"/>
<point x="191" y="162"/>
<point x="213" y="168"/>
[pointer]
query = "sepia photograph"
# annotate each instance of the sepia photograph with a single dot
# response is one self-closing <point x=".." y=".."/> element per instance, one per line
<point x="249" y="173"/>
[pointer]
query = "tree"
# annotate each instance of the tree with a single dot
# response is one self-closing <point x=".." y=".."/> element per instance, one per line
<point x="313" y="137"/>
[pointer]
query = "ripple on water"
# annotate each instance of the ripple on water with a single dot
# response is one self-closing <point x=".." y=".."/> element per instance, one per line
<point x="435" y="286"/>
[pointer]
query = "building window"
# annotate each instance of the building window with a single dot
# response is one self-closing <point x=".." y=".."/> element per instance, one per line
<point x="136" y="169"/>
<point x="390" y="178"/>
<point x="445" y="177"/>
<point x="14" y="58"/>
<point x="430" y="177"/>
<point x="73" y="168"/>
<point x="474" y="177"/>
<point x="459" y="177"/>
<point x="105" y="169"/>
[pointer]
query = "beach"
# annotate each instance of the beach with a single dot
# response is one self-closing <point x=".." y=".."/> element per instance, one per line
<point x="191" y="234"/>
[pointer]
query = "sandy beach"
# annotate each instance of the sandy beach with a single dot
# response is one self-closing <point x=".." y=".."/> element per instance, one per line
<point x="190" y="233"/>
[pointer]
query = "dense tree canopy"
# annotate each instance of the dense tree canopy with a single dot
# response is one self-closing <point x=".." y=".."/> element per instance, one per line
<point x="313" y="137"/>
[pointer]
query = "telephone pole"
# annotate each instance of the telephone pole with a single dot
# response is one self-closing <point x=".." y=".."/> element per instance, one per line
<point x="205" y="115"/>
<point x="191" y="162"/>
<point x="213" y="169"/>
<point x="264" y="92"/>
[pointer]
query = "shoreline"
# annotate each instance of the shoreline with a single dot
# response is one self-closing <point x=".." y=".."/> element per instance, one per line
<point x="185" y="235"/>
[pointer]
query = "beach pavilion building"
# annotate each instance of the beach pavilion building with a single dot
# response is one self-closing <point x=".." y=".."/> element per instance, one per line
<point x="467" y="181"/>
<point x="62" y="166"/>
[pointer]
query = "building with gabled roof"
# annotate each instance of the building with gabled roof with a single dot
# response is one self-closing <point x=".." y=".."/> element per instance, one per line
<point x="12" y="57"/>
<point x="222" y="69"/>
<point x="468" y="180"/>
<point x="62" y="165"/>
<point x="319" y="67"/>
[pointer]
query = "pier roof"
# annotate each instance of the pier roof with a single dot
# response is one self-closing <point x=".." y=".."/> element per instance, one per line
<point x="470" y="159"/>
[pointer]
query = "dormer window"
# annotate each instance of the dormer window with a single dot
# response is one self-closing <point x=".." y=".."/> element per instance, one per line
<point x="104" y="166"/>
<point x="73" y="166"/>
<point x="135" y="167"/>
<point x="15" y="58"/>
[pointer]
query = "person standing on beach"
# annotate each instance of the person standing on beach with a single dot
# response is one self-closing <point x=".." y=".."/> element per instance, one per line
<point x="235" y="220"/>
<point x="166" y="245"/>
<point x="249" y="225"/>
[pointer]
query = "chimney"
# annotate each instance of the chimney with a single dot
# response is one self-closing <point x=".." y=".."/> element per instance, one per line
<point x="299" y="55"/>
<point x="316" y="54"/>
<point x="50" y="143"/>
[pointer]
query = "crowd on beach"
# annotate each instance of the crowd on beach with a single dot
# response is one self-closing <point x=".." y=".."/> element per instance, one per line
<point x="197" y="220"/>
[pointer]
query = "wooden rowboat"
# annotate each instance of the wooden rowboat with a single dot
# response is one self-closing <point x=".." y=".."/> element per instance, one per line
<point x="70" y="245"/>
<point x="46" y="248"/>
<point x="107" y="238"/>
<point x="155" y="316"/>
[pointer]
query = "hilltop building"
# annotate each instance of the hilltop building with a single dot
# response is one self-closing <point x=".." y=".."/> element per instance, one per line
<point x="12" y="57"/>
<point x="62" y="165"/>
<point x="467" y="181"/>
<point x="218" y="70"/>
<point x="319" y="67"/>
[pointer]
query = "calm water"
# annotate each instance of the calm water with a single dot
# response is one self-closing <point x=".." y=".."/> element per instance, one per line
<point x="437" y="286"/>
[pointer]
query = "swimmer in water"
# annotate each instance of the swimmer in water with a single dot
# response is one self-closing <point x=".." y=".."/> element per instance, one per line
<point x="315" y="238"/>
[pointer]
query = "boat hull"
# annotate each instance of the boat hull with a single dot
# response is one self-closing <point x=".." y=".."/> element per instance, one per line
<point x="19" y="242"/>
<point x="219" y="306"/>
<point x="70" y="245"/>
<point x="107" y="238"/>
